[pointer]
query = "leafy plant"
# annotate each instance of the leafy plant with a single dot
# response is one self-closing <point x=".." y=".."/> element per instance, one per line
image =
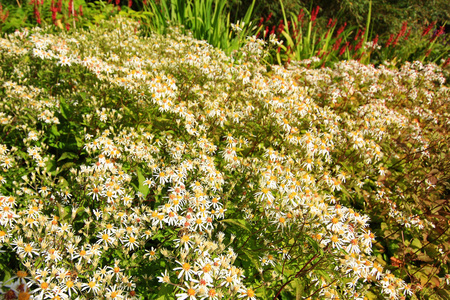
<point x="207" y="20"/>
<point x="160" y="167"/>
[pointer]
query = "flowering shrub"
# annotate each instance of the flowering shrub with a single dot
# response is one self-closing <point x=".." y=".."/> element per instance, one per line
<point x="161" y="168"/>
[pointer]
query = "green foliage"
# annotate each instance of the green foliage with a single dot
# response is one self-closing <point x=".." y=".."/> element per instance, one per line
<point x="206" y="20"/>
<point x="169" y="162"/>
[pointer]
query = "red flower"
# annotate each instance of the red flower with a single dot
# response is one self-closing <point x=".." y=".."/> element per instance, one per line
<point x="341" y="29"/>
<point x="390" y="40"/>
<point x="344" y="48"/>
<point x="427" y="30"/>
<point x="447" y="62"/>
<point x="300" y="15"/>
<point x="314" y="13"/>
<point x="37" y="14"/>
<point x="375" y="41"/>
<point x="261" y="21"/>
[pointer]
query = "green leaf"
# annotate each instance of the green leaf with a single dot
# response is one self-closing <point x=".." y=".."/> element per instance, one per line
<point x="51" y="167"/>
<point x="64" y="212"/>
<point x="64" y="108"/>
<point x="68" y="165"/>
<point x="164" y="292"/>
<point x="68" y="155"/>
<point x="54" y="130"/>
<point x="238" y="222"/>
<point x="416" y="243"/>
<point x="7" y="274"/>
<point x="142" y="188"/>
<point x="80" y="142"/>
<point x="314" y="244"/>
<point x="252" y="258"/>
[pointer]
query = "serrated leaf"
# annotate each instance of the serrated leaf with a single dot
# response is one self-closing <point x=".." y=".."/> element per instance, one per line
<point x="424" y="257"/>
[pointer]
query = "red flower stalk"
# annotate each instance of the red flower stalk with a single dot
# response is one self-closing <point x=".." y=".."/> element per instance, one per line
<point x="314" y="13"/>
<point x="37" y="15"/>
<point x="54" y="10"/>
<point x="389" y="40"/>
<point x="341" y="29"/>
<point x="117" y="2"/>
<point x="67" y="26"/>
<point x="70" y="7"/>
<point x="403" y="30"/>
<point x="427" y="30"/>
<point x="330" y="21"/>
<point x="337" y="44"/>
<point x="323" y="54"/>
<point x="447" y="62"/>
<point x="59" y="6"/>
<point x="261" y="21"/>
<point x="268" y="18"/>
<point x="401" y="33"/>
<point x="280" y="27"/>
<point x="279" y="49"/>
<point x="267" y="32"/>
<point x="258" y="34"/>
<point x="343" y="48"/>
<point x="273" y="30"/>
<point x="362" y="54"/>
<point x="130" y="2"/>
<point x="357" y="35"/>
<point x="375" y="41"/>
<point x="428" y="53"/>
<point x="300" y="15"/>
<point x="408" y="34"/>
<point x="438" y="34"/>
<point x="363" y="33"/>
<point x="3" y="15"/>
<point x="359" y="45"/>
<point x="145" y="2"/>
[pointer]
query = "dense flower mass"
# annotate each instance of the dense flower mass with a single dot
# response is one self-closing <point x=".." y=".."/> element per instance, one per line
<point x="129" y="160"/>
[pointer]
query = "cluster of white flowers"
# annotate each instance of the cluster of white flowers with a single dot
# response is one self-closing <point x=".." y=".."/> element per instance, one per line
<point x="215" y="142"/>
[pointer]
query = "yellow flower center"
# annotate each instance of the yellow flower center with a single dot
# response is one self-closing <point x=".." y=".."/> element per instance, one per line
<point x="28" y="248"/>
